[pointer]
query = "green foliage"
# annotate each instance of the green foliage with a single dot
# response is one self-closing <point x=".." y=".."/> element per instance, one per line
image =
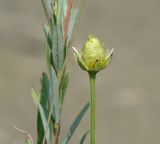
<point x="54" y="85"/>
<point x="58" y="48"/>
<point x="59" y="15"/>
<point x="55" y="93"/>
<point x="83" y="137"/>
<point x="47" y="5"/>
<point x="73" y="16"/>
<point x="41" y="118"/>
<point x="48" y="35"/>
<point x="75" y="124"/>
<point x="63" y="87"/>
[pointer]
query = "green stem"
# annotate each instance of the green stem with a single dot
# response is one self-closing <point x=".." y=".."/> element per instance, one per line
<point x="92" y="77"/>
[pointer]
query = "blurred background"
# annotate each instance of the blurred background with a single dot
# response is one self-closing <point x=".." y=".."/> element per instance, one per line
<point x="128" y="102"/>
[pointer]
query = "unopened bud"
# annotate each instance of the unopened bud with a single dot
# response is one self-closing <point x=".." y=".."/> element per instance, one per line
<point x="94" y="56"/>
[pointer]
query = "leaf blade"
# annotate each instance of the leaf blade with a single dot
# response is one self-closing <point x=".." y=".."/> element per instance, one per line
<point x="58" y="48"/>
<point x="75" y="124"/>
<point x="63" y="87"/>
<point x="56" y="101"/>
<point x="47" y="6"/>
<point x="84" y="137"/>
<point x="60" y="4"/>
<point x="42" y="114"/>
<point x="73" y="17"/>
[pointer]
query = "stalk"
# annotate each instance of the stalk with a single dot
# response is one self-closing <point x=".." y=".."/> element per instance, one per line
<point x="57" y="134"/>
<point x="92" y="77"/>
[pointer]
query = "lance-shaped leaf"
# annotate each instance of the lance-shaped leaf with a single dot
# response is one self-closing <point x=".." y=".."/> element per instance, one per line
<point x="63" y="87"/>
<point x="58" y="48"/>
<point x="75" y="124"/>
<point x="54" y="91"/>
<point x="83" y="137"/>
<point x="73" y="17"/>
<point x="36" y="98"/>
<point x="65" y="5"/>
<point x="48" y="35"/>
<point x="45" y="100"/>
<point x="59" y="14"/>
<point x="49" y="38"/>
<point x="48" y="56"/>
<point x="47" y="5"/>
<point x="63" y="14"/>
<point x="45" y="103"/>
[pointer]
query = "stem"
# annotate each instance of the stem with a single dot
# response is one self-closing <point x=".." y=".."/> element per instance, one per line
<point x="92" y="77"/>
<point x="57" y="134"/>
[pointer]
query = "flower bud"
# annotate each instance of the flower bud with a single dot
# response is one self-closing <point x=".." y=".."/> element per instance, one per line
<point x="94" y="56"/>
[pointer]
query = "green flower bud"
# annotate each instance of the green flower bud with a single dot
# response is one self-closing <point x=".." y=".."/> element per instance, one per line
<point x="94" y="56"/>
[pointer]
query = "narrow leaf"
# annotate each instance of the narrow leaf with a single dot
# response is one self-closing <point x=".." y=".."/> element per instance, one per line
<point x="44" y="121"/>
<point x="75" y="124"/>
<point x="83" y="137"/>
<point x="45" y="100"/>
<point x="47" y="5"/>
<point x="49" y="39"/>
<point x="58" y="48"/>
<point x="35" y="96"/>
<point x="73" y="17"/>
<point x="56" y="100"/>
<point x="45" y="103"/>
<point x="48" y="35"/>
<point x="65" y="5"/>
<point x="63" y="87"/>
<point x="67" y="17"/>
<point x="60" y="5"/>
<point x="48" y="57"/>
<point x="42" y="114"/>
<point x="63" y="15"/>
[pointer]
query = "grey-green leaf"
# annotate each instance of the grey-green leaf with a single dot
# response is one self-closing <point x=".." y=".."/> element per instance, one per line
<point x="60" y="5"/>
<point x="58" y="48"/>
<point x="55" y="99"/>
<point x="63" y="87"/>
<point x="45" y="103"/>
<point x="75" y="124"/>
<point x="47" y="5"/>
<point x="65" y="5"/>
<point x="48" y="56"/>
<point x="49" y="39"/>
<point x="44" y="121"/>
<point x="35" y="96"/>
<point x="42" y="114"/>
<point x="63" y="14"/>
<point x="83" y="137"/>
<point x="48" y="35"/>
<point x="45" y="100"/>
<point x="73" y="17"/>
